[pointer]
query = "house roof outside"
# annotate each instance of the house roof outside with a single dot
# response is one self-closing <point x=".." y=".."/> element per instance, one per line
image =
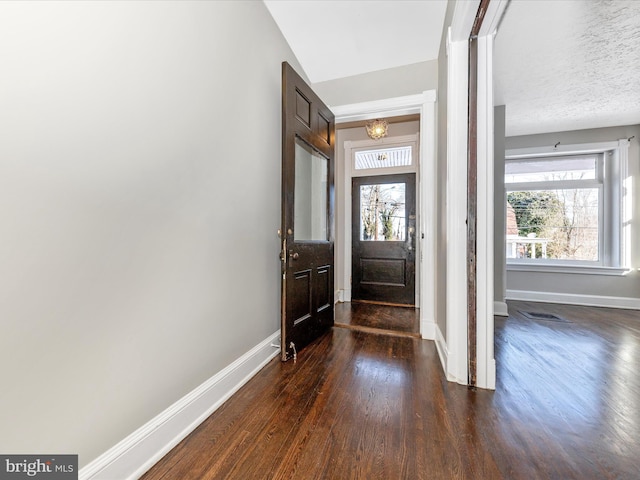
<point x="512" y="224"/>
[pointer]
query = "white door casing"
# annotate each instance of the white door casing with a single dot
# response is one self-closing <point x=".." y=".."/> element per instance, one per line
<point x="458" y="64"/>
<point x="424" y="105"/>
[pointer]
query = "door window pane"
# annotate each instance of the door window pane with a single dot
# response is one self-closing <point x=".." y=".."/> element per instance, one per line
<point x="382" y="212"/>
<point x="310" y="196"/>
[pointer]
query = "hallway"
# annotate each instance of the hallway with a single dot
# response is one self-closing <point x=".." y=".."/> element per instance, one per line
<point x="363" y="406"/>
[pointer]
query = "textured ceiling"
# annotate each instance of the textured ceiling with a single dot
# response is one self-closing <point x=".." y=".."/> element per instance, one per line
<point x="340" y="38"/>
<point x="568" y="65"/>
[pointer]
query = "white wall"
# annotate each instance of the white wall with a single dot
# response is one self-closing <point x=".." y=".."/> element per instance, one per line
<point x="139" y="202"/>
<point x="627" y="286"/>
<point x="390" y="83"/>
<point x="441" y="172"/>
<point x="499" y="202"/>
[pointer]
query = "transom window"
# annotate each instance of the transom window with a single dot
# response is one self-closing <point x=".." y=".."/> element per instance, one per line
<point x="383" y="158"/>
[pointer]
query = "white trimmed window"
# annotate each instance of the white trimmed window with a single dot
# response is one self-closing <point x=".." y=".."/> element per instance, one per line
<point x="565" y="206"/>
<point x="384" y="158"/>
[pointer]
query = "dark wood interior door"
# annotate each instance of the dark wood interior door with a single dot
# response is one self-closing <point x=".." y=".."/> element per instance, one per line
<point x="308" y="134"/>
<point x="383" y="239"/>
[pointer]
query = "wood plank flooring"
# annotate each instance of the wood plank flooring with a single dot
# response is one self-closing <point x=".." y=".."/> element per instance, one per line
<point x="363" y="406"/>
<point x="380" y="319"/>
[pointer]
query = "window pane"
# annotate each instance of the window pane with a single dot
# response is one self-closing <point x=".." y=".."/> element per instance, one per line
<point x="557" y="224"/>
<point x="382" y="212"/>
<point x="310" y="196"/>
<point x="534" y="170"/>
<point x="385" y="158"/>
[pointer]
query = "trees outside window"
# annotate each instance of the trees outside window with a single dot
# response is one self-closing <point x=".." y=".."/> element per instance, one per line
<point x="382" y="212"/>
<point x="566" y="220"/>
<point x="558" y="206"/>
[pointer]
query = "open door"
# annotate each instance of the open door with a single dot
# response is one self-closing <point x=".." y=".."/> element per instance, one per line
<point x="308" y="133"/>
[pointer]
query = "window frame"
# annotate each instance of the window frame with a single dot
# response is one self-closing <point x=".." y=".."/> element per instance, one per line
<point x="381" y="145"/>
<point x="611" y="168"/>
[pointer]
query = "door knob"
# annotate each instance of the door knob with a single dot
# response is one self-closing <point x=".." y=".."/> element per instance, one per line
<point x="294" y="255"/>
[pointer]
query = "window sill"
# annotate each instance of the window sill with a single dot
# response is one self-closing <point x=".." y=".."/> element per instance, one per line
<point x="571" y="269"/>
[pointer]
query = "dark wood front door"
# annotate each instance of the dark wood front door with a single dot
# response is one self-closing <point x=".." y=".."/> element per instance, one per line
<point x="383" y="239"/>
<point x="308" y="134"/>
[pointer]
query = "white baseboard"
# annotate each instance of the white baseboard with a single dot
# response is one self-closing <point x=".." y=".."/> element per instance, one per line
<point x="133" y="456"/>
<point x="343" y="295"/>
<point x="629" y="303"/>
<point x="427" y="328"/>
<point x="491" y="375"/>
<point x="500" y="309"/>
<point x="443" y="352"/>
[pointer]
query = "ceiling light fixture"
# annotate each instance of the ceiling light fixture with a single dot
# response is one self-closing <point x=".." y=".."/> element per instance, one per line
<point x="376" y="129"/>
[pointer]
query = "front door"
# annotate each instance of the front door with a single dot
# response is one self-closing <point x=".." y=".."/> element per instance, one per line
<point x="308" y="134"/>
<point x="383" y="239"/>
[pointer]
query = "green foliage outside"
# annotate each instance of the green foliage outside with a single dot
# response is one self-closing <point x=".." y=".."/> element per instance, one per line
<point x="534" y="210"/>
<point x="540" y="213"/>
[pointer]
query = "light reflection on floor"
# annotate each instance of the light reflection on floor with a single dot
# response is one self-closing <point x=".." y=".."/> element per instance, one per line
<point x="383" y="370"/>
<point x="569" y="380"/>
<point x="624" y="413"/>
<point x="576" y="374"/>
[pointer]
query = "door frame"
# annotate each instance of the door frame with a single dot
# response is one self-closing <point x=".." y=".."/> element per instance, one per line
<point x="424" y="105"/>
<point x="455" y="345"/>
<point x="350" y="148"/>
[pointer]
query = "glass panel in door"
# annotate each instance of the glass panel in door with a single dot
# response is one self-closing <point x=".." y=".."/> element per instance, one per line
<point x="382" y="212"/>
<point x="310" y="203"/>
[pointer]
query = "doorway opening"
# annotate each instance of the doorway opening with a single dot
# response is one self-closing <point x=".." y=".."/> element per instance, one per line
<point x="411" y="121"/>
<point x="377" y="197"/>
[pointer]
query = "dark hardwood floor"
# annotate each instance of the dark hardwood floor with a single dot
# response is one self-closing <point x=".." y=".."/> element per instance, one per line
<point x="381" y="319"/>
<point x="363" y="406"/>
